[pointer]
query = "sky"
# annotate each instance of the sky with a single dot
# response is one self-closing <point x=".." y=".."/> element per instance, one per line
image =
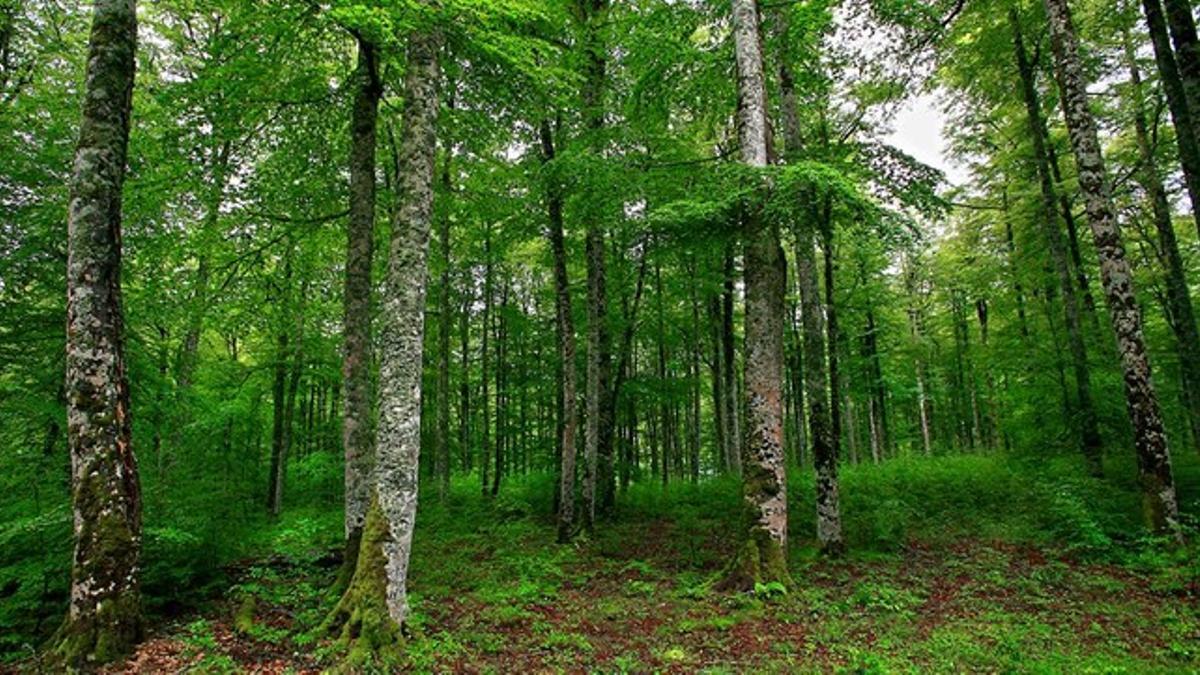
<point x="918" y="130"/>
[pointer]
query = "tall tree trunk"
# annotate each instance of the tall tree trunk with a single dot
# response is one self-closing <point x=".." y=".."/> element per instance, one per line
<point x="833" y="337"/>
<point x="1185" y="116"/>
<point x="733" y="428"/>
<point x="502" y="435"/>
<point x="599" y="417"/>
<point x="104" y="616"/>
<point x="442" y="434"/>
<point x="717" y="372"/>
<point x="1182" y="25"/>
<point x="464" y="384"/>
<point x="824" y="451"/>
<point x="1090" y="441"/>
<point x="279" y="475"/>
<point x="485" y="400"/>
<point x="1154" y="458"/>
<point x="566" y="344"/>
<point x="763" y="556"/>
<point x="358" y="441"/>
<point x="664" y="415"/>
<point x="1182" y="316"/>
<point x="811" y="350"/>
<point x="375" y="606"/>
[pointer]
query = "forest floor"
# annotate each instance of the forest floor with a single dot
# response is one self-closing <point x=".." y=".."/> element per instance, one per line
<point x="503" y="597"/>
<point x="959" y="565"/>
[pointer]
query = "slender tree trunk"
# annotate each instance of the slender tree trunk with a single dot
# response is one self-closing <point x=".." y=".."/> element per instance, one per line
<point x="733" y="427"/>
<point x="763" y="556"/>
<point x="599" y="417"/>
<point x="464" y="385"/>
<point x="1182" y="315"/>
<point x="502" y="433"/>
<point x="485" y="400"/>
<point x="104" y="616"/>
<point x="824" y="451"/>
<point x="358" y="441"/>
<point x="1185" y="115"/>
<point x="1154" y="458"/>
<point x="442" y="435"/>
<point x="1182" y="26"/>
<point x="717" y="372"/>
<point x="566" y="342"/>
<point x="833" y="338"/>
<point x="697" y="338"/>
<point x="1090" y="441"/>
<point x="375" y="607"/>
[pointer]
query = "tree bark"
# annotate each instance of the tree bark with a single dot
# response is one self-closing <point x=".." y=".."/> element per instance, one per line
<point x="375" y="607"/>
<point x="1090" y="441"/>
<point x="824" y="451"/>
<point x="104" y="616"/>
<point x="1154" y="458"/>
<point x="358" y="442"/>
<point x="763" y="556"/>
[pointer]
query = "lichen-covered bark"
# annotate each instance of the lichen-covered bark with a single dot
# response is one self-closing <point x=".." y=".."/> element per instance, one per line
<point x="1150" y="440"/>
<point x="104" y="618"/>
<point x="764" y="484"/>
<point x="1089" y="430"/>
<point x="566" y="346"/>
<point x="358" y="441"/>
<point x="398" y="437"/>
<point x="1183" y="315"/>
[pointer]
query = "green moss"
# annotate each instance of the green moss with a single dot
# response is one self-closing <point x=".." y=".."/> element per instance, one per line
<point x="760" y="560"/>
<point x="91" y="640"/>
<point x="364" y="628"/>
<point x="243" y="618"/>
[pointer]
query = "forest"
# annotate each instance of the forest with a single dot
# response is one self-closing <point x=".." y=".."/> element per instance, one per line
<point x="617" y="336"/>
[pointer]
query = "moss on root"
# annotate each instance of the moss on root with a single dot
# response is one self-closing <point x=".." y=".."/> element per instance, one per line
<point x="760" y="560"/>
<point x="87" y="642"/>
<point x="365" y="631"/>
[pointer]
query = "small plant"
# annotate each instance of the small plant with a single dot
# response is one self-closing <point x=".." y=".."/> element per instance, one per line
<point x="772" y="590"/>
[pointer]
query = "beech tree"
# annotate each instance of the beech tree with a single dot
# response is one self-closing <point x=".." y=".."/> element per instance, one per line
<point x="1154" y="457"/>
<point x="763" y="556"/>
<point x="104" y="619"/>
<point x="374" y="609"/>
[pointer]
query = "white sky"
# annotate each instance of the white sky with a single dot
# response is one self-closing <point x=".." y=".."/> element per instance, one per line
<point x="917" y="130"/>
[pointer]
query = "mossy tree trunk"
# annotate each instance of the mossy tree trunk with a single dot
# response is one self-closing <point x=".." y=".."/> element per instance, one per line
<point x="104" y="618"/>
<point x="374" y="609"/>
